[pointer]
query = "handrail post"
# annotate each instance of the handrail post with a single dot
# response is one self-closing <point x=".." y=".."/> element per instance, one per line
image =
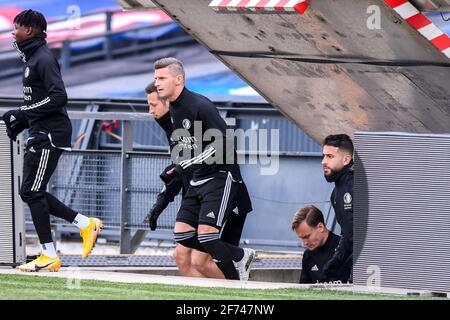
<point x="108" y="36"/>
<point x="127" y="145"/>
<point x="65" y="54"/>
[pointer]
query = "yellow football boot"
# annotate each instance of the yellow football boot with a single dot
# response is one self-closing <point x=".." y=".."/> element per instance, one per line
<point x="41" y="263"/>
<point x="90" y="235"/>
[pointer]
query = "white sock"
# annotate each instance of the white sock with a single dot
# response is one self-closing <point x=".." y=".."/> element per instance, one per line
<point x="81" y="221"/>
<point x="49" y="249"/>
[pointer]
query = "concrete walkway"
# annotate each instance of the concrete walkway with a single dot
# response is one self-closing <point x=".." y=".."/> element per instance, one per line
<point x="123" y="277"/>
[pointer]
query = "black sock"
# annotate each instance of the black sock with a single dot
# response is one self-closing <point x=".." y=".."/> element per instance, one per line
<point x="236" y="252"/>
<point x="221" y="254"/>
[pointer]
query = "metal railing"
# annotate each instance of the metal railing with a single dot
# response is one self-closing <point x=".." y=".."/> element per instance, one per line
<point x="90" y="183"/>
<point x="148" y="136"/>
<point x="141" y="105"/>
<point x="120" y="185"/>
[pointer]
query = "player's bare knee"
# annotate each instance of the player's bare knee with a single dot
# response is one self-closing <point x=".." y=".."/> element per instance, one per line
<point x="203" y="228"/>
<point x="182" y="227"/>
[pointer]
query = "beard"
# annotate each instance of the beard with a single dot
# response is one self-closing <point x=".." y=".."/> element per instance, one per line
<point x="335" y="174"/>
<point x="331" y="177"/>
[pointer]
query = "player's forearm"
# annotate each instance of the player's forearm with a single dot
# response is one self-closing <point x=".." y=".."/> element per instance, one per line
<point x="44" y="106"/>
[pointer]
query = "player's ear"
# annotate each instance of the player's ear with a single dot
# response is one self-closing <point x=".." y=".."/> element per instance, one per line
<point x="179" y="80"/>
<point x="347" y="159"/>
<point x="29" y="31"/>
<point x="321" y="226"/>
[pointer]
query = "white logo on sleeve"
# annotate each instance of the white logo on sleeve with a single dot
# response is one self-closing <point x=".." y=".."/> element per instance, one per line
<point x="186" y="124"/>
<point x="27" y="72"/>
<point x="315" y="268"/>
<point x="348" y="201"/>
<point x="347" y="198"/>
<point x="211" y="215"/>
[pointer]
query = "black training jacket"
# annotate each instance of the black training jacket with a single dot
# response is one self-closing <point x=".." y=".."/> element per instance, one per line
<point x="342" y="201"/>
<point x="191" y="110"/>
<point x="174" y="183"/>
<point x="45" y="96"/>
<point x="314" y="261"/>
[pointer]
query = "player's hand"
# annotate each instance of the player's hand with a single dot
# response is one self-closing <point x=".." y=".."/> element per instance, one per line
<point x="15" y="123"/>
<point x="11" y="134"/>
<point x="168" y="174"/>
<point x="13" y="117"/>
<point x="152" y="219"/>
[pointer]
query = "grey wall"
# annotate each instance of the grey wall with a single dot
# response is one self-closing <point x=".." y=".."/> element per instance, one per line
<point x="276" y="198"/>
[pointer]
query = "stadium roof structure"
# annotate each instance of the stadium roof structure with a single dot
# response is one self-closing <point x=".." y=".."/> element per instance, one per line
<point x="341" y="66"/>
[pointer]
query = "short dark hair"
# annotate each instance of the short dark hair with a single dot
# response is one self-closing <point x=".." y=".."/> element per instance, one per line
<point x="311" y="214"/>
<point x="341" y="141"/>
<point x="151" y="88"/>
<point x="31" y="18"/>
<point x="175" y="65"/>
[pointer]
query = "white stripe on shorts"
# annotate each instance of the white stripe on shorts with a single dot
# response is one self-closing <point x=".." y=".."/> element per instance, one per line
<point x="225" y="198"/>
<point x="41" y="170"/>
